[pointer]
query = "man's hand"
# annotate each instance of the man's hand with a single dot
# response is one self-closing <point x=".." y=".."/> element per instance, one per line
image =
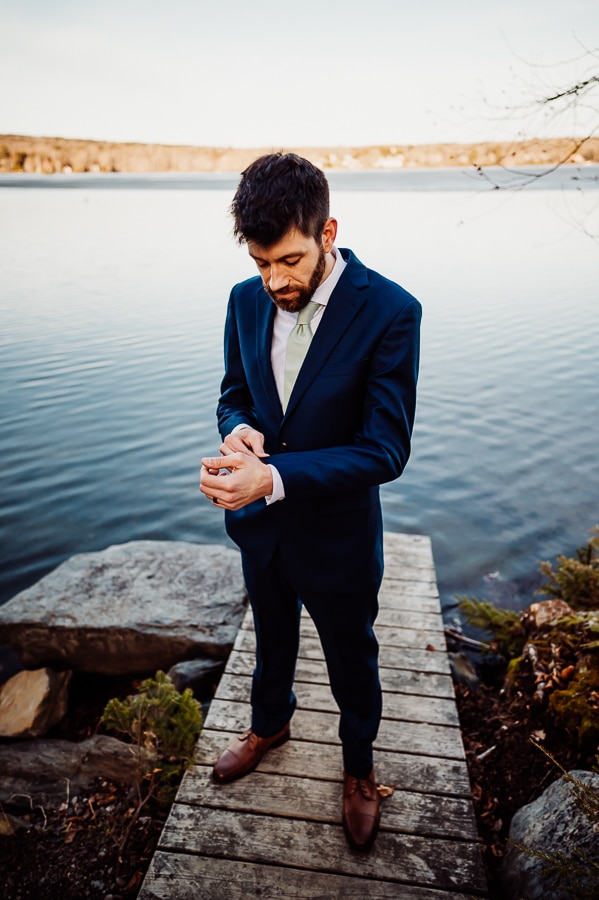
<point x="243" y="440"/>
<point x="234" y="480"/>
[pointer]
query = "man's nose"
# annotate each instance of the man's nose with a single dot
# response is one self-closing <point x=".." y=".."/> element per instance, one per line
<point x="278" y="279"/>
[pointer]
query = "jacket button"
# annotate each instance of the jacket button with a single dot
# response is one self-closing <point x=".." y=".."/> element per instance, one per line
<point x="283" y="446"/>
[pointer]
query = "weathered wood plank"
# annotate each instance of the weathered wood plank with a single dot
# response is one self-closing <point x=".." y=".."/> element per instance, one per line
<point x="406" y="657"/>
<point x="411" y="547"/>
<point x="396" y="637"/>
<point x="435" y="710"/>
<point x="406" y="681"/>
<point x="414" y="638"/>
<point x="403" y="770"/>
<point x="174" y="876"/>
<point x="395" y="594"/>
<point x="411" y="658"/>
<point x="403" y="681"/>
<point x="320" y="727"/>
<point x="407" y="539"/>
<point x="410" y="619"/>
<point x="320" y="801"/>
<point x="389" y="617"/>
<point x="397" y="569"/>
<point x="244" y="631"/>
<point x="393" y="619"/>
<point x="427" y="861"/>
<point x="404" y="599"/>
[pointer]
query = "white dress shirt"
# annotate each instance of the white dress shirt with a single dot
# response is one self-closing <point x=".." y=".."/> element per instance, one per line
<point x="285" y="321"/>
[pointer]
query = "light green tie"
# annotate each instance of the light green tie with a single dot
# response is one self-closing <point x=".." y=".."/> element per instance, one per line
<point x="297" y="347"/>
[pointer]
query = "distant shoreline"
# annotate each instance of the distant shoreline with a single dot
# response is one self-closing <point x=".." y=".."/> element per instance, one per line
<point x="51" y="155"/>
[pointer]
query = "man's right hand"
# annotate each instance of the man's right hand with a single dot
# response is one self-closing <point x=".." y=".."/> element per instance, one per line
<point x="245" y="440"/>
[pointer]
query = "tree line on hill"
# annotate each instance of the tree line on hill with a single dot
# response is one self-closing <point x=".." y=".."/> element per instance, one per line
<point x="46" y="155"/>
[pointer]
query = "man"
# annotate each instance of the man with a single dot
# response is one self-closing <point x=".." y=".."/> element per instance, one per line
<point x="305" y="447"/>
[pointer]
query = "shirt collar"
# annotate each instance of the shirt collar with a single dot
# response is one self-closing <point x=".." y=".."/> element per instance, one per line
<point x="325" y="289"/>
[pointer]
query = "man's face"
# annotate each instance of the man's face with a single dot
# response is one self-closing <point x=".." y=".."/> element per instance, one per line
<point x="291" y="269"/>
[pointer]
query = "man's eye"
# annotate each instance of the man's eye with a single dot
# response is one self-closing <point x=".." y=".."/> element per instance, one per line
<point x="290" y="265"/>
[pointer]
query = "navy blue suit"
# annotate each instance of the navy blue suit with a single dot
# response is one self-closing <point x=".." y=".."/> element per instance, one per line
<point x="346" y="430"/>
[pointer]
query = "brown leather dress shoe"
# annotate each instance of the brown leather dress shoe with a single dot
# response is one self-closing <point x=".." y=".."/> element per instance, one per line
<point x="361" y="811"/>
<point x="244" y="753"/>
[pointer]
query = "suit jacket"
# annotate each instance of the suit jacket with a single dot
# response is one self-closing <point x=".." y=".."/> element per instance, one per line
<point x="346" y="430"/>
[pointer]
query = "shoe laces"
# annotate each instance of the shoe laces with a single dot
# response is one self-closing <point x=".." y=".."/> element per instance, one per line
<point x="363" y="785"/>
<point x="249" y="736"/>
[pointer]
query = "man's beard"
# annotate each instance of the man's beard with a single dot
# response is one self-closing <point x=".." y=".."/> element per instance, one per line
<point x="300" y="297"/>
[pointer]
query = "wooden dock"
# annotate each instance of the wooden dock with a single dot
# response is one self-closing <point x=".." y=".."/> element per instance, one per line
<point x="277" y="832"/>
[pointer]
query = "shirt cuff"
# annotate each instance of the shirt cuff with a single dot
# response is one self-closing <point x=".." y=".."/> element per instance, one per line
<point x="278" y="491"/>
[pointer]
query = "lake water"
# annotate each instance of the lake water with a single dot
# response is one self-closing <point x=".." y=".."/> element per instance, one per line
<point x="112" y="300"/>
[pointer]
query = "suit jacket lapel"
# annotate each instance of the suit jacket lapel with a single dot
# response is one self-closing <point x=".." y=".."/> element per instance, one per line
<point x="265" y="316"/>
<point x="344" y="304"/>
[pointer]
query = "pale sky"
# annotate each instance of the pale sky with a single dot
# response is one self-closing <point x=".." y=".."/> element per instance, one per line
<point x="277" y="74"/>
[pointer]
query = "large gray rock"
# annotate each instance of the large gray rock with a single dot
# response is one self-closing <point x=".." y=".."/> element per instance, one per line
<point x="133" y="608"/>
<point x="51" y="772"/>
<point x="32" y="702"/>
<point x="553" y="824"/>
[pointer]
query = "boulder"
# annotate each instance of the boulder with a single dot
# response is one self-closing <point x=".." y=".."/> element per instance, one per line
<point x="51" y="772"/>
<point x="200" y="675"/>
<point x="32" y="702"/>
<point x="551" y="825"/>
<point x="133" y="608"/>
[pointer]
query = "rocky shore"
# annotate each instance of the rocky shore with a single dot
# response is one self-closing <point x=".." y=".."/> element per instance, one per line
<point x="86" y="633"/>
<point x="48" y="155"/>
<point x="530" y="726"/>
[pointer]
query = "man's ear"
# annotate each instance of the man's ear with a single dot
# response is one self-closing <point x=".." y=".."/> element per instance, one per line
<point x="329" y="233"/>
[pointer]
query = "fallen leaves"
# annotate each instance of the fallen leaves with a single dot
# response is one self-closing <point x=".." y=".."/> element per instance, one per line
<point x="9" y="825"/>
<point x="81" y="843"/>
<point x="385" y="790"/>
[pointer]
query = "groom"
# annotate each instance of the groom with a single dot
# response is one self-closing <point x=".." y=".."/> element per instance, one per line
<point x="316" y="411"/>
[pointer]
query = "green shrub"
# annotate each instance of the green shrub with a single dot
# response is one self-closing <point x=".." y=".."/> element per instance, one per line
<point x="165" y="726"/>
<point x="504" y="624"/>
<point x="576" y="581"/>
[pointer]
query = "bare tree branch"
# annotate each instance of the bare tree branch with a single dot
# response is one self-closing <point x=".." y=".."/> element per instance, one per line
<point x="575" y="90"/>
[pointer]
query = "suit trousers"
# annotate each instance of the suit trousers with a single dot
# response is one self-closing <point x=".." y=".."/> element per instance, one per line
<point x="344" y="622"/>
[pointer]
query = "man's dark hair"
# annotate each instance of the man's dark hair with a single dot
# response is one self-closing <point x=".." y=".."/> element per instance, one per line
<point x="278" y="192"/>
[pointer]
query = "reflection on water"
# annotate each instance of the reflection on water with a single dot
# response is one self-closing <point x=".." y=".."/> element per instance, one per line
<point x="111" y="312"/>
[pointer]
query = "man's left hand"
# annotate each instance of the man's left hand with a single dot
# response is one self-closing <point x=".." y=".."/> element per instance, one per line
<point x="235" y="480"/>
